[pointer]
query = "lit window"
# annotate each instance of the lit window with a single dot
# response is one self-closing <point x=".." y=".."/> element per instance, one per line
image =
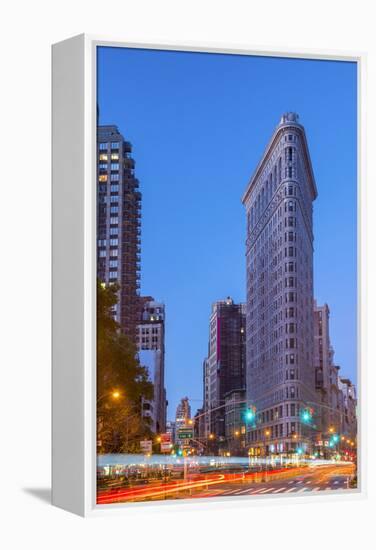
<point x="114" y="156"/>
<point x="103" y="177"/>
<point x="103" y="156"/>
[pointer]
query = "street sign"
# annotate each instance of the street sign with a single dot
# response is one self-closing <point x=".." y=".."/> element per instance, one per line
<point x="146" y="445"/>
<point x="185" y="434"/>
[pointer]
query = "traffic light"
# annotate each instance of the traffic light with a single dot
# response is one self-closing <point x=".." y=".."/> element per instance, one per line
<point x="250" y="415"/>
<point x="306" y="415"/>
<point x="333" y="440"/>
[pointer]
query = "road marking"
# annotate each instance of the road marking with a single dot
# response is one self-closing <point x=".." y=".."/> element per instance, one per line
<point x="266" y="490"/>
<point x="299" y="482"/>
<point x="303" y="490"/>
<point x="233" y="492"/>
<point x="335" y="482"/>
<point x="291" y="482"/>
<point x="249" y="491"/>
<point x="317" y="489"/>
<point x="289" y="490"/>
<point x="279" y="490"/>
<point x="308" y="482"/>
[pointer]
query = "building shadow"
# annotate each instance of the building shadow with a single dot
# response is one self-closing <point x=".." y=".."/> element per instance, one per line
<point x="40" y="493"/>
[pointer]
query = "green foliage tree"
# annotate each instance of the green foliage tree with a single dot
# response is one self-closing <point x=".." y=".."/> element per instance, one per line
<point x="122" y="383"/>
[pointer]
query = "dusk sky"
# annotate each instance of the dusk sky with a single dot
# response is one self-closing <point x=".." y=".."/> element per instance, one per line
<point x="199" y="124"/>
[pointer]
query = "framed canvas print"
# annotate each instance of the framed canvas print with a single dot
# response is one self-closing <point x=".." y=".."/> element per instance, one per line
<point x="206" y="283"/>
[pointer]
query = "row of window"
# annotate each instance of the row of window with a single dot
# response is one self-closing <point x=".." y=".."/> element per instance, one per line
<point x="103" y="178"/>
<point x="112" y="145"/>
<point x="105" y="157"/>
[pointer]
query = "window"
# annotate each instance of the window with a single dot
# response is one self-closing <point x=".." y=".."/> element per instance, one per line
<point x="113" y="263"/>
<point x="114" y="188"/>
<point x="114" y="242"/>
<point x="102" y="253"/>
<point x="115" y="177"/>
<point x="114" y="230"/>
<point x="103" y="146"/>
<point x="114" y="156"/>
<point x="114" y="166"/>
<point x="103" y="156"/>
<point x="113" y="275"/>
<point x="114" y="209"/>
<point x="115" y="145"/>
<point x="103" y="177"/>
<point x="114" y="221"/>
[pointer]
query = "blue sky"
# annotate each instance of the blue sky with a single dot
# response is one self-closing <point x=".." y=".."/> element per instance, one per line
<point x="199" y="124"/>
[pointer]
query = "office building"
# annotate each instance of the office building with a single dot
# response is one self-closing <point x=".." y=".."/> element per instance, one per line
<point x="224" y="368"/>
<point x="280" y="378"/>
<point x="150" y="341"/>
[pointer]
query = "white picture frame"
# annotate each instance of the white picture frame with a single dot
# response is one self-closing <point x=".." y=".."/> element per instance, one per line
<point x="74" y="268"/>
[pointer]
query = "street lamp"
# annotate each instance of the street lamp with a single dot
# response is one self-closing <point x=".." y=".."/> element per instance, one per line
<point x="115" y="394"/>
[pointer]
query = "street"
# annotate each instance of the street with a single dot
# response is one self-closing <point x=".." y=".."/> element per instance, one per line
<point x="299" y="480"/>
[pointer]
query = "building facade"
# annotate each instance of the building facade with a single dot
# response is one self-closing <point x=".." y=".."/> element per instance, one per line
<point x="118" y="224"/>
<point x="280" y="378"/>
<point x="235" y="421"/>
<point x="335" y="409"/>
<point x="224" y="368"/>
<point x="150" y="341"/>
<point x="183" y="414"/>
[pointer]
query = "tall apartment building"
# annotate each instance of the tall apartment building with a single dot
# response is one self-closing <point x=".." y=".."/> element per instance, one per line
<point x="118" y="224"/>
<point x="151" y="345"/>
<point x="280" y="378"/>
<point x="224" y="368"/>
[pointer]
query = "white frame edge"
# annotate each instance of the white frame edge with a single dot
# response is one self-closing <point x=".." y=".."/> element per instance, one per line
<point x="74" y="280"/>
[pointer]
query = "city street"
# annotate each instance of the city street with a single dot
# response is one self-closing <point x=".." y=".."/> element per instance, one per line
<point x="298" y="480"/>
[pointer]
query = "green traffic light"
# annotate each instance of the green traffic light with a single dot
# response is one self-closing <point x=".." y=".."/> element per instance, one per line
<point x="250" y="415"/>
<point x="306" y="416"/>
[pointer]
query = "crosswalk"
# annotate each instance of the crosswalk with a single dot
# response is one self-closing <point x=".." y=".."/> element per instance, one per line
<point x="291" y="487"/>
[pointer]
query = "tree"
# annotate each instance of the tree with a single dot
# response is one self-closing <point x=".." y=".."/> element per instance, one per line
<point x="122" y="383"/>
